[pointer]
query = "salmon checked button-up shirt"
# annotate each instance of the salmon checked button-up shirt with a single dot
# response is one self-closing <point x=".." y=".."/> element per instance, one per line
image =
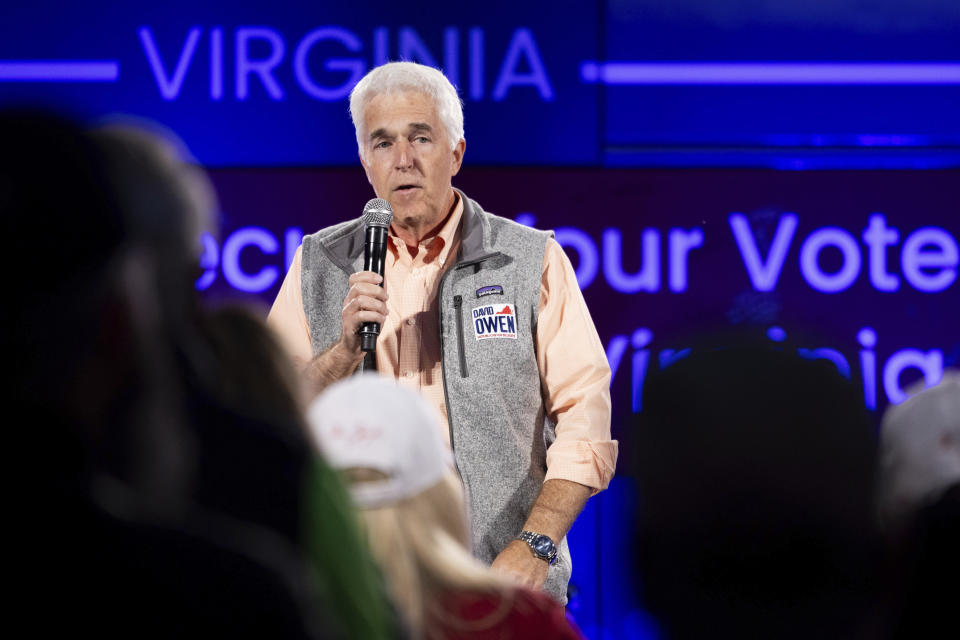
<point x="574" y="373"/>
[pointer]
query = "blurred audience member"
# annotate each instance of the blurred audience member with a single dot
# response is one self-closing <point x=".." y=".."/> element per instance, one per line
<point x="919" y="452"/>
<point x="250" y="467"/>
<point x="386" y="442"/>
<point x="927" y="590"/>
<point x="755" y="474"/>
<point x="256" y="376"/>
<point x="253" y="460"/>
<point x="919" y="502"/>
<point x="104" y="536"/>
<point x="149" y="507"/>
<point x="83" y="329"/>
<point x="257" y="380"/>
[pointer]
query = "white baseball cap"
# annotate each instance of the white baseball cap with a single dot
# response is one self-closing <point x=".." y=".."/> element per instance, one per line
<point x="369" y="421"/>
<point x="920" y="448"/>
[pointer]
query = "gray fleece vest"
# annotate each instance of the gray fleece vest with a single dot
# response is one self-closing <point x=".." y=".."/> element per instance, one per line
<point x="498" y="428"/>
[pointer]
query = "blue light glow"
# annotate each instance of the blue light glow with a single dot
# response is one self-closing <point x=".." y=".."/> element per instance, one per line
<point x="262" y="67"/>
<point x="930" y="363"/>
<point x="942" y="73"/>
<point x="354" y="66"/>
<point x="810" y="253"/>
<point x="777" y="334"/>
<point x="764" y="274"/>
<point x="169" y="86"/>
<point x="36" y="71"/>
<point x="943" y="256"/>
<point x="230" y="259"/>
<point x="588" y="264"/>
<point x="647" y="278"/>
<point x="826" y="353"/>
<point x="209" y="261"/>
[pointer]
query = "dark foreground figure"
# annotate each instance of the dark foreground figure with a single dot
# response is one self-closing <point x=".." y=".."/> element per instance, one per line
<point x="756" y="473"/>
<point x="151" y="496"/>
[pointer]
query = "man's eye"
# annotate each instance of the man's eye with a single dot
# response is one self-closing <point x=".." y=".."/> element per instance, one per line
<point x="383" y="144"/>
<point x="422" y="139"/>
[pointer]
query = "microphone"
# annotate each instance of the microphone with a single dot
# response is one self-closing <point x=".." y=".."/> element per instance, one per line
<point x="377" y="215"/>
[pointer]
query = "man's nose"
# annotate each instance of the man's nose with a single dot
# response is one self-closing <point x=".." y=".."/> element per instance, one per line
<point x="404" y="157"/>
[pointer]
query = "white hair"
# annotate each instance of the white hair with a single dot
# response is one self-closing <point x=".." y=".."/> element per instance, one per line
<point x="395" y="77"/>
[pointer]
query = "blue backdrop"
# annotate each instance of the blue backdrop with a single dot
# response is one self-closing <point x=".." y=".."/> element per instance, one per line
<point x="785" y="83"/>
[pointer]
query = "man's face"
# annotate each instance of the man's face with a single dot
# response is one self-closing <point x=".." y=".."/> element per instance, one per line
<point x="409" y="160"/>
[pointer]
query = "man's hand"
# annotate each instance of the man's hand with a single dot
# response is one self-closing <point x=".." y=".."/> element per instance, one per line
<point x="366" y="301"/>
<point x="552" y="515"/>
<point x="517" y="562"/>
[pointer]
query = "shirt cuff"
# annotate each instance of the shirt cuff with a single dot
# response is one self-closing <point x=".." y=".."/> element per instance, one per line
<point x="590" y="463"/>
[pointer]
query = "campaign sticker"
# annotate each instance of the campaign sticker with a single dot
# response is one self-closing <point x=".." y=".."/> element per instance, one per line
<point x="494" y="321"/>
<point x="493" y="289"/>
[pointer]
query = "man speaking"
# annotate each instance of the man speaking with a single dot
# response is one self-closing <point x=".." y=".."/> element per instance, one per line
<point x="481" y="315"/>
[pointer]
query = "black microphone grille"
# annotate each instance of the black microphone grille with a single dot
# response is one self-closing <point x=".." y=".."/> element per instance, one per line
<point x="378" y="213"/>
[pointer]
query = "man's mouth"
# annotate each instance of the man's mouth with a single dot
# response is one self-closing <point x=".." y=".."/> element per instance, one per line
<point x="406" y="187"/>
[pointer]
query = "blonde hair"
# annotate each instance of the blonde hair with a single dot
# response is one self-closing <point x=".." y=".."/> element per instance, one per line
<point x="421" y="546"/>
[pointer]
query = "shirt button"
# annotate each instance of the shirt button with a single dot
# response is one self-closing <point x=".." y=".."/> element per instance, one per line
<point x="409" y="374"/>
<point x="411" y="321"/>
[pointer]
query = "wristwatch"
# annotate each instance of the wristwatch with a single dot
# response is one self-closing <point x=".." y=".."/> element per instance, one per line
<point x="541" y="545"/>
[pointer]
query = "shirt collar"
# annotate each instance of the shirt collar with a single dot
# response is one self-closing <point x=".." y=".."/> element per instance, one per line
<point x="436" y="247"/>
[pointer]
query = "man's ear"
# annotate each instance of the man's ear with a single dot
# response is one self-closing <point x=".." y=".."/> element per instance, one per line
<point x="458" y="152"/>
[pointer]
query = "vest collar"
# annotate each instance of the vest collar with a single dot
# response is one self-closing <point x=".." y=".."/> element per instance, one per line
<point x="474" y="233"/>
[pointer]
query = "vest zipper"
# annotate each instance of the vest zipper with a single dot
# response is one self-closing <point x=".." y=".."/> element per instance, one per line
<point x="458" y="305"/>
<point x="446" y="393"/>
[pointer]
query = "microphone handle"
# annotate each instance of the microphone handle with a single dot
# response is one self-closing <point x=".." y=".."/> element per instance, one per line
<point x="374" y="259"/>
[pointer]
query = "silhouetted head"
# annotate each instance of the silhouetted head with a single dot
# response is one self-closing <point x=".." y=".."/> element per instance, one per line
<point x="755" y="471"/>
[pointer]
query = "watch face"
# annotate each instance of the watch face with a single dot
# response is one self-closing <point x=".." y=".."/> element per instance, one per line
<point x="543" y="545"/>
